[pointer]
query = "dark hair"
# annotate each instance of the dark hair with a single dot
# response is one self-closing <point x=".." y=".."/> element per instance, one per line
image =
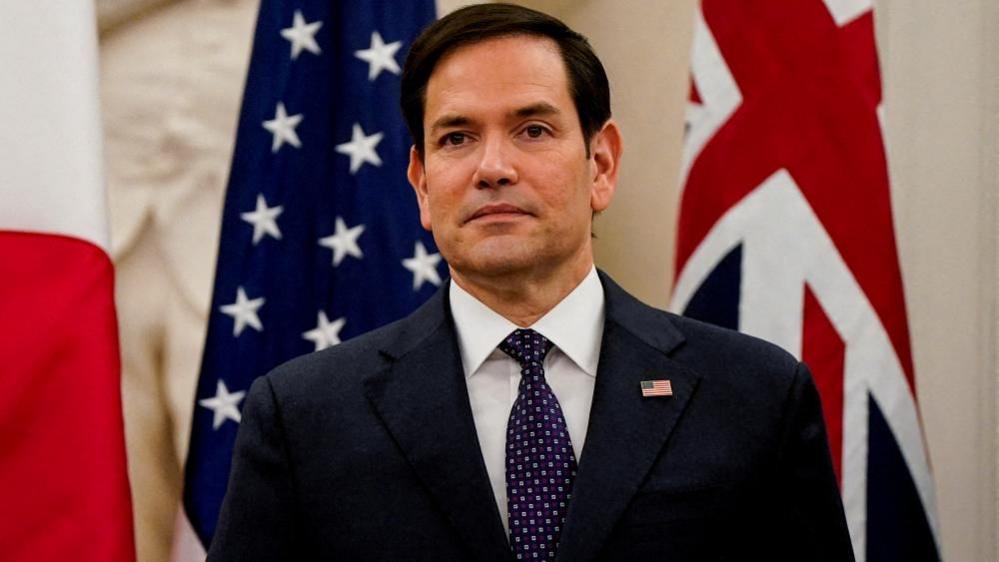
<point x="588" y="84"/>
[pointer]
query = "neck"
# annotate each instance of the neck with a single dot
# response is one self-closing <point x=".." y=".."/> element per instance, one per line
<point x="523" y="298"/>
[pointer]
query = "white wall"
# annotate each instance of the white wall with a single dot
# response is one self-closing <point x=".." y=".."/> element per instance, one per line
<point x="940" y="66"/>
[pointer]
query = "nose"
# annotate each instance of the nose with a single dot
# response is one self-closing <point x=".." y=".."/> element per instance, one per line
<point x="496" y="167"/>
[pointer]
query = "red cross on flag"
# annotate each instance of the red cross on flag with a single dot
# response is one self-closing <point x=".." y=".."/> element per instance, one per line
<point x="786" y="233"/>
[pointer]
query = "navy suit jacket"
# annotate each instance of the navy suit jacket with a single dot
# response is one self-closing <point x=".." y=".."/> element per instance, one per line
<point x="368" y="451"/>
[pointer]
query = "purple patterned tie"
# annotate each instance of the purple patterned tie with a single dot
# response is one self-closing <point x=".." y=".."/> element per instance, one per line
<point x="540" y="463"/>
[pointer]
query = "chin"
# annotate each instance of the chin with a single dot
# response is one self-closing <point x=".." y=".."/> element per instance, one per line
<point x="500" y="265"/>
<point x="497" y="260"/>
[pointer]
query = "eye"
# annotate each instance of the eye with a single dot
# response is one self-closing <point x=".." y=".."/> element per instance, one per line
<point x="453" y="139"/>
<point x="534" y="131"/>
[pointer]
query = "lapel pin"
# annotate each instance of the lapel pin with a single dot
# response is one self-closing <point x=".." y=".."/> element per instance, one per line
<point x="659" y="387"/>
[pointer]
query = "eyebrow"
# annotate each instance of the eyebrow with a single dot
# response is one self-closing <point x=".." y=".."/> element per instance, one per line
<point x="536" y="109"/>
<point x="449" y="121"/>
<point x="532" y="110"/>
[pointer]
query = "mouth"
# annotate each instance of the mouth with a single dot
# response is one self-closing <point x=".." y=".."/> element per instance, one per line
<point x="498" y="211"/>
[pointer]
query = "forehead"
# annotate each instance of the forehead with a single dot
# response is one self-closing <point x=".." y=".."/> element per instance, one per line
<point x="499" y="73"/>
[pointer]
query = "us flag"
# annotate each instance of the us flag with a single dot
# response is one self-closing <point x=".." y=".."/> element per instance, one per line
<point x="656" y="388"/>
<point x="320" y="235"/>
<point x="786" y="233"/>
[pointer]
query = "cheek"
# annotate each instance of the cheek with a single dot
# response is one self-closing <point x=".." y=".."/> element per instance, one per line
<point x="442" y="207"/>
<point x="573" y="197"/>
<point x="445" y="188"/>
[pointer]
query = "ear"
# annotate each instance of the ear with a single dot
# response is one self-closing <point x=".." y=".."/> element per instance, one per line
<point x="417" y="175"/>
<point x="605" y="152"/>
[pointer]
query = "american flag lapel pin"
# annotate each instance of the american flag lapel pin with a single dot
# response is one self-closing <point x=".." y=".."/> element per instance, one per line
<point x="658" y="387"/>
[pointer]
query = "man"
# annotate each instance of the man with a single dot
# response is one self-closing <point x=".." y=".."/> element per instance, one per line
<point x="532" y="409"/>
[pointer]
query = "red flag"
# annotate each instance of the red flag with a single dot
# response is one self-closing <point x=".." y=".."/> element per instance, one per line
<point x="785" y="232"/>
<point x="62" y="451"/>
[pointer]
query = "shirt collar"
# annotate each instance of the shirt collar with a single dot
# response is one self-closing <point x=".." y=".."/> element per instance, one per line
<point x="575" y="325"/>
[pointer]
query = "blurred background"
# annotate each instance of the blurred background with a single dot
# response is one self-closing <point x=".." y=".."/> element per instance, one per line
<point x="172" y="74"/>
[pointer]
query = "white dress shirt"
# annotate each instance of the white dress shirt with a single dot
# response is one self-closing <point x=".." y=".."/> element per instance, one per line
<point x="575" y="326"/>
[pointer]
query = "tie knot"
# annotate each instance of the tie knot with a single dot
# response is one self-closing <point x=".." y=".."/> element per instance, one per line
<point x="526" y="346"/>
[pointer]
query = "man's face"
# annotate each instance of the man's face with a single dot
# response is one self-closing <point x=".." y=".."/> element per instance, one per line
<point x="505" y="184"/>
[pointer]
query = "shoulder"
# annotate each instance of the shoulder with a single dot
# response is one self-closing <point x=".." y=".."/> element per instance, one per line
<point x="339" y="372"/>
<point x="750" y="379"/>
<point x="726" y="360"/>
<point x="688" y="338"/>
<point x="345" y="364"/>
<point x="714" y="344"/>
<point x="360" y="352"/>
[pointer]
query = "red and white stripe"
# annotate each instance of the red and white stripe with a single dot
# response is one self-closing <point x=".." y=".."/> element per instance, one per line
<point x="62" y="451"/>
<point x="808" y="205"/>
<point x="657" y="388"/>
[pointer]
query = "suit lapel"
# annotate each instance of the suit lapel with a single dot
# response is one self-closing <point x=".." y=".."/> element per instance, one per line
<point x="423" y="401"/>
<point x="626" y="432"/>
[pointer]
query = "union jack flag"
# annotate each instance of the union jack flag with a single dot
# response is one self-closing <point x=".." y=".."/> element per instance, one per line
<point x="786" y="233"/>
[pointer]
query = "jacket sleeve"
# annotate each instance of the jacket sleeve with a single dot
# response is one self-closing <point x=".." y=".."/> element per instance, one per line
<point x="259" y="519"/>
<point x="813" y="509"/>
